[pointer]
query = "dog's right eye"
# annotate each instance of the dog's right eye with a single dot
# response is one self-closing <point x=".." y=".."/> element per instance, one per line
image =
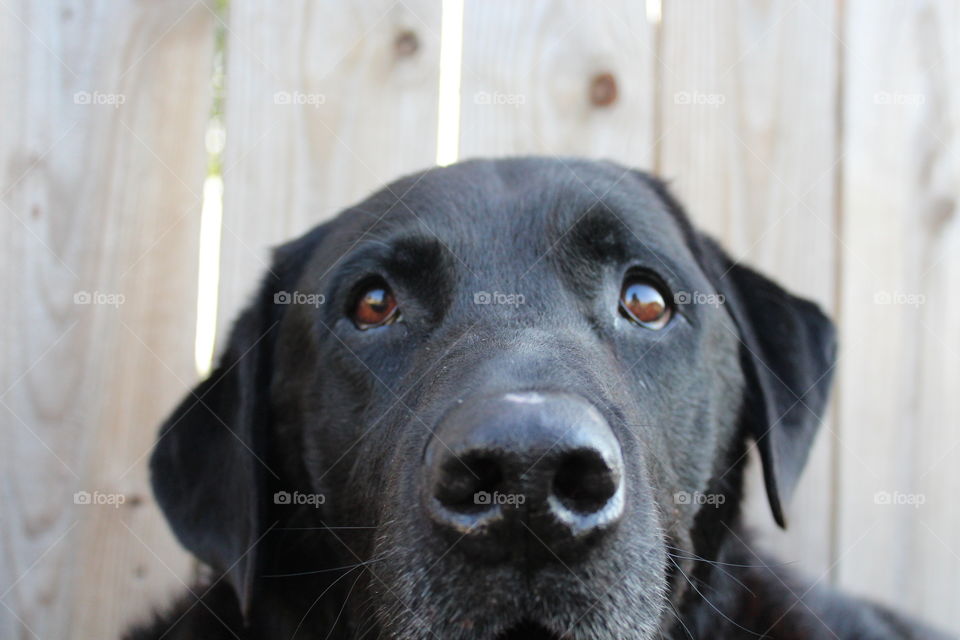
<point x="375" y="307"/>
<point x="643" y="301"/>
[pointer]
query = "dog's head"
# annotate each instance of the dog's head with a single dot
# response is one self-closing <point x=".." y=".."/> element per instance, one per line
<point x="498" y="399"/>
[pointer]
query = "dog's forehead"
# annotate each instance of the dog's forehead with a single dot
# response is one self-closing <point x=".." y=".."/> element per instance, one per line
<point x="525" y="206"/>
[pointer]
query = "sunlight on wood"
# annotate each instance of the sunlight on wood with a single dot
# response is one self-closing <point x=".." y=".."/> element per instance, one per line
<point x="654" y="11"/>
<point x="451" y="51"/>
<point x="211" y="218"/>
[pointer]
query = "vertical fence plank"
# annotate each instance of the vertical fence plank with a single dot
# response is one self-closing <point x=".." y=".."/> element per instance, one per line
<point x="325" y="103"/>
<point x="101" y="158"/>
<point x="900" y="409"/>
<point x="748" y="139"/>
<point x="569" y="77"/>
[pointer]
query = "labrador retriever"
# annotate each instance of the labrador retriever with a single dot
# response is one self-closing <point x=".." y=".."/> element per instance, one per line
<point x="502" y="400"/>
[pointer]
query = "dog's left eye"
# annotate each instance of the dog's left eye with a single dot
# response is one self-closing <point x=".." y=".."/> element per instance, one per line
<point x="643" y="301"/>
<point x="375" y="306"/>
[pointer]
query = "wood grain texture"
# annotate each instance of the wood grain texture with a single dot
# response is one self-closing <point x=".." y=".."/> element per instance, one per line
<point x="748" y="138"/>
<point x="900" y="373"/>
<point x="570" y="77"/>
<point x="326" y="102"/>
<point x="101" y="160"/>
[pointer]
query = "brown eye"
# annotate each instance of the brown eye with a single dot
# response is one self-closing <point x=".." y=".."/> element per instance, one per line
<point x="375" y="307"/>
<point x="642" y="302"/>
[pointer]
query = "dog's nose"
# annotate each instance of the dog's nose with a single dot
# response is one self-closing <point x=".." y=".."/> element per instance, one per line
<point x="502" y="469"/>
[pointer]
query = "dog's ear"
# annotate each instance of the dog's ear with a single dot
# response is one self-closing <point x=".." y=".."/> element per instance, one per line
<point x="209" y="468"/>
<point x="208" y="464"/>
<point x="788" y="353"/>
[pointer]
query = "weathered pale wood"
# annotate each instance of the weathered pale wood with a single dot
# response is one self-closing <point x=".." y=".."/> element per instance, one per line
<point x="900" y="375"/>
<point x="748" y="138"/>
<point x="533" y="79"/>
<point x="97" y="198"/>
<point x="366" y="75"/>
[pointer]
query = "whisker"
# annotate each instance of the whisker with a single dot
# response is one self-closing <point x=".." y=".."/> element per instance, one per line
<point x="676" y="615"/>
<point x="719" y="566"/>
<point x="707" y="600"/>
<point x="694" y="556"/>
<point x="321" y="528"/>
<point x="346" y="568"/>
<point x="342" y="607"/>
<point x="368" y="622"/>
<point x="322" y="593"/>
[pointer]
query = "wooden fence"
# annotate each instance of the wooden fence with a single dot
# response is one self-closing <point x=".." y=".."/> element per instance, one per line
<point x="819" y="140"/>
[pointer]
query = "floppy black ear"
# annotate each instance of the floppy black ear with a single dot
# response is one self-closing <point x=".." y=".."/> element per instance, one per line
<point x="208" y="463"/>
<point x="789" y="352"/>
<point x="209" y="468"/>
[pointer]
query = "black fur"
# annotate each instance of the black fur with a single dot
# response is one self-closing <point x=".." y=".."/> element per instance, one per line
<point x="302" y="401"/>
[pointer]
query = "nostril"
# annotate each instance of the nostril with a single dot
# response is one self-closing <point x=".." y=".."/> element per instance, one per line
<point x="584" y="482"/>
<point x="462" y="478"/>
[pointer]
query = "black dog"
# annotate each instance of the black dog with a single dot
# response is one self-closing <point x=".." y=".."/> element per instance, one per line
<point x="502" y="400"/>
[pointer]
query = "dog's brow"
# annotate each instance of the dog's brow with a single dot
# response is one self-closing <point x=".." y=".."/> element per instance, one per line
<point x="599" y="234"/>
<point x="403" y="254"/>
<point x="414" y="252"/>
